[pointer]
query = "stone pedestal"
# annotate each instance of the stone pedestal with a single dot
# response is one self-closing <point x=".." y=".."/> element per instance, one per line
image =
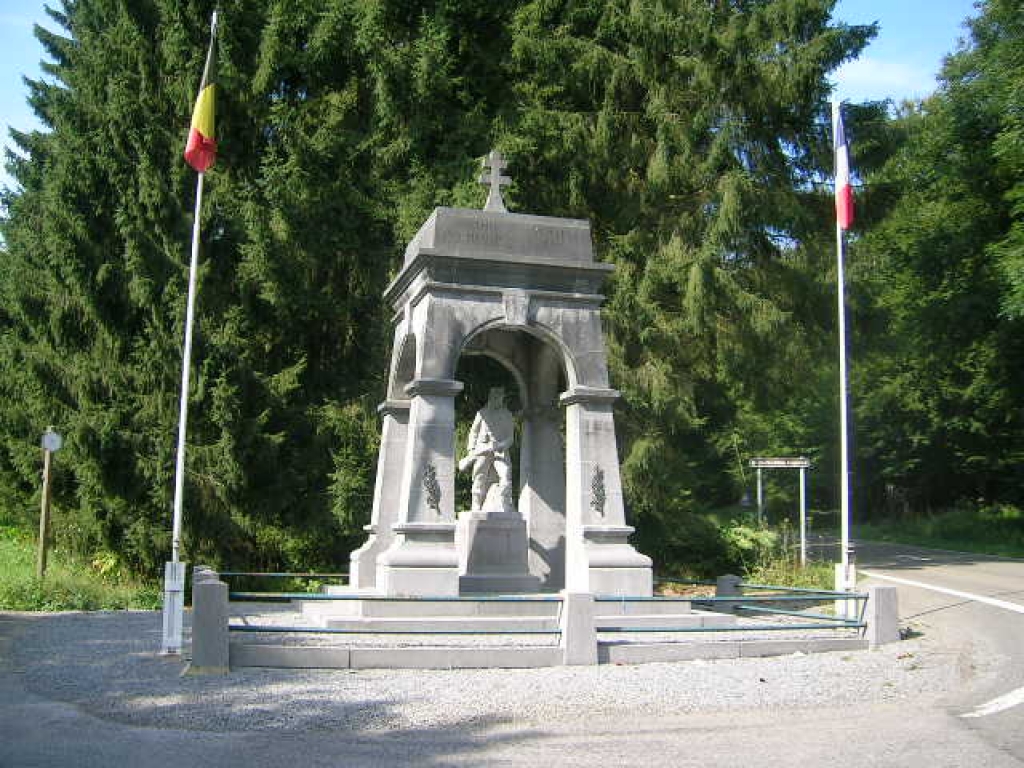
<point x="492" y="548"/>
<point x="421" y="562"/>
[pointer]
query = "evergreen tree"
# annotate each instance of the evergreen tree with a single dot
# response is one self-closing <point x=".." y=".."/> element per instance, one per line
<point x="941" y="416"/>
<point x="689" y="132"/>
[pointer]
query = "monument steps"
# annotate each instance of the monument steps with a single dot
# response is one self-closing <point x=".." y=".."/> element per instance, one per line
<point x="626" y="652"/>
<point x="518" y="624"/>
<point x="455" y="623"/>
<point x="668" y="620"/>
<point x="517" y="613"/>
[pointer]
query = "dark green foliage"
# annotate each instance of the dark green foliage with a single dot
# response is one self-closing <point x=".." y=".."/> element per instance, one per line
<point x="693" y="135"/>
<point x="942" y="368"/>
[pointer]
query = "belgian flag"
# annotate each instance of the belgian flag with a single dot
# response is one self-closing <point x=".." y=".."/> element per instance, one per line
<point x="201" y="149"/>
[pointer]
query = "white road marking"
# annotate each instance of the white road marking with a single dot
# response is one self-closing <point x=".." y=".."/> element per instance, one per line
<point x="1006" y="701"/>
<point x="1004" y="604"/>
<point x="1001" y="703"/>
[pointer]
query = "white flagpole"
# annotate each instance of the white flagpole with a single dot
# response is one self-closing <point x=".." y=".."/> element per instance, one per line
<point x="179" y="471"/>
<point x="174" y="571"/>
<point x="844" y="578"/>
<point x="843" y="408"/>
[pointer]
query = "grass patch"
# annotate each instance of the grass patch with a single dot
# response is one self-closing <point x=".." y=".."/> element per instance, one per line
<point x="993" y="530"/>
<point x="786" y="572"/>
<point x="70" y="583"/>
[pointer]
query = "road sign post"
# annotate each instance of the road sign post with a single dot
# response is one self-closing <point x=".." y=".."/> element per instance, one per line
<point x="51" y="443"/>
<point x="783" y="463"/>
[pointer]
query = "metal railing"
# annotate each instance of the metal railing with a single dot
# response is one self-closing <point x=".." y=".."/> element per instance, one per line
<point x="284" y="597"/>
<point x="772" y="600"/>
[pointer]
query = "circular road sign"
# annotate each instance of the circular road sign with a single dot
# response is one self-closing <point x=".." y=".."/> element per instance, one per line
<point x="52" y="441"/>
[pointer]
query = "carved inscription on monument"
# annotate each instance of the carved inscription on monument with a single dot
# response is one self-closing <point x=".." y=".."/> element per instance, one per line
<point x="485" y="234"/>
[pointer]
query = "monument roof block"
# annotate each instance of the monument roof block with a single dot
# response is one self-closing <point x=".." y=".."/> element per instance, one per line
<point x="497" y="235"/>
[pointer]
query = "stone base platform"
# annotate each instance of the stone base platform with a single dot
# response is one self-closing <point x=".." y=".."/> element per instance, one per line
<point x="244" y="654"/>
<point x="520" y="612"/>
<point x="614" y="652"/>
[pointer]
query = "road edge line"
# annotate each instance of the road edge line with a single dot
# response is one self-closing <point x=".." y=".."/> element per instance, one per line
<point x="1004" y="604"/>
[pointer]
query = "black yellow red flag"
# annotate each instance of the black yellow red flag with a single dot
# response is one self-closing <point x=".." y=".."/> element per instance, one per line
<point x="201" y="149"/>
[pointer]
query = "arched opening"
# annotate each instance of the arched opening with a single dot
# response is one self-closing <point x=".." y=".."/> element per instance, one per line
<point x="533" y="372"/>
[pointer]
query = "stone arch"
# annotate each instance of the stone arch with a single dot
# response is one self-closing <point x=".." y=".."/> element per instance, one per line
<point x="543" y="334"/>
<point x="403" y="366"/>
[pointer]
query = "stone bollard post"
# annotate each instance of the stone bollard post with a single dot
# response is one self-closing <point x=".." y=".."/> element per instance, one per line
<point x="882" y="616"/>
<point x="210" y="647"/>
<point x="727" y="586"/>
<point x="201" y="573"/>
<point x="579" y="633"/>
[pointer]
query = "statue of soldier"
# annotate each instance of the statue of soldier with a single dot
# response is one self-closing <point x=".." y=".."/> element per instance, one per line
<point x="487" y="451"/>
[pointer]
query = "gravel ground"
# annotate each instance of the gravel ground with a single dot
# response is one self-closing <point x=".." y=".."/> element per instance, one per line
<point x="106" y="663"/>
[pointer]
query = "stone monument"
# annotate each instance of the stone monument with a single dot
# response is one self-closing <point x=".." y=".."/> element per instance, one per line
<point x="523" y="290"/>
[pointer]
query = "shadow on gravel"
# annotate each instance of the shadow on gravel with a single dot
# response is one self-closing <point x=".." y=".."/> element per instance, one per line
<point x="108" y="666"/>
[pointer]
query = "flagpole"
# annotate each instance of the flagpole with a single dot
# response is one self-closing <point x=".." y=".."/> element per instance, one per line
<point x="844" y="483"/>
<point x="845" y="578"/>
<point x="179" y="471"/>
<point x="174" y="571"/>
<point x="199" y="155"/>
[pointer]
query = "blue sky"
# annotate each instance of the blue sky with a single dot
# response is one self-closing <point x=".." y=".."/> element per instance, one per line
<point x="901" y="63"/>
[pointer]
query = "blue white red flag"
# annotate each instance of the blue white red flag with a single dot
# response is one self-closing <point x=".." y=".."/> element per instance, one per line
<point x="844" y="192"/>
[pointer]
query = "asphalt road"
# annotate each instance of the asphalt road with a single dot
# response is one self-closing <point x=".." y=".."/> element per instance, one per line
<point x="39" y="732"/>
<point x="996" y="626"/>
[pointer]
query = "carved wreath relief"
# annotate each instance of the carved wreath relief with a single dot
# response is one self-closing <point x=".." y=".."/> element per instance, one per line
<point x="432" y="489"/>
<point x="597" y="492"/>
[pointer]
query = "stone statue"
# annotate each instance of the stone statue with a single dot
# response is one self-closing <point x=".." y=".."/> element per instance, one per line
<point x="487" y="451"/>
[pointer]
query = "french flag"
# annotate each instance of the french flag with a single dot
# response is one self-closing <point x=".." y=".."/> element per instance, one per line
<point x="844" y="192"/>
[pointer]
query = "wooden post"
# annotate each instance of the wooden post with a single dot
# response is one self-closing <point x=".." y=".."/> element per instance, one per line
<point x="44" y="515"/>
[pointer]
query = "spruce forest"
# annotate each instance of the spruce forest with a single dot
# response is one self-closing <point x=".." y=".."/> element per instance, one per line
<point x="693" y="134"/>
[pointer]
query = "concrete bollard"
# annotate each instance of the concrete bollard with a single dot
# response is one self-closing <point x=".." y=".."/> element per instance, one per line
<point x="209" y="625"/>
<point x="579" y="633"/>
<point x="882" y="616"/>
<point x="727" y="586"/>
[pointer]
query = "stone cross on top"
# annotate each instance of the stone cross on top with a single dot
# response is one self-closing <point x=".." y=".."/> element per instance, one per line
<point x="494" y="162"/>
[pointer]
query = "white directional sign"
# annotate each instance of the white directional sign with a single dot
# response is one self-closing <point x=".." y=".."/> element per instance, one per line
<point x="780" y="463"/>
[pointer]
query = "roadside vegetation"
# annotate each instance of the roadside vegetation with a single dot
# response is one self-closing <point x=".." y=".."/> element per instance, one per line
<point x="71" y="583"/>
<point x="993" y="530"/>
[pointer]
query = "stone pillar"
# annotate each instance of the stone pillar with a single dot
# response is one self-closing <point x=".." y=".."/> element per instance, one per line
<point x="210" y="645"/>
<point x="599" y="557"/>
<point x="579" y="631"/>
<point x="882" y="616"/>
<point x="386" y="499"/>
<point x="542" y="471"/>
<point x="422" y="559"/>
<point x="728" y="586"/>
